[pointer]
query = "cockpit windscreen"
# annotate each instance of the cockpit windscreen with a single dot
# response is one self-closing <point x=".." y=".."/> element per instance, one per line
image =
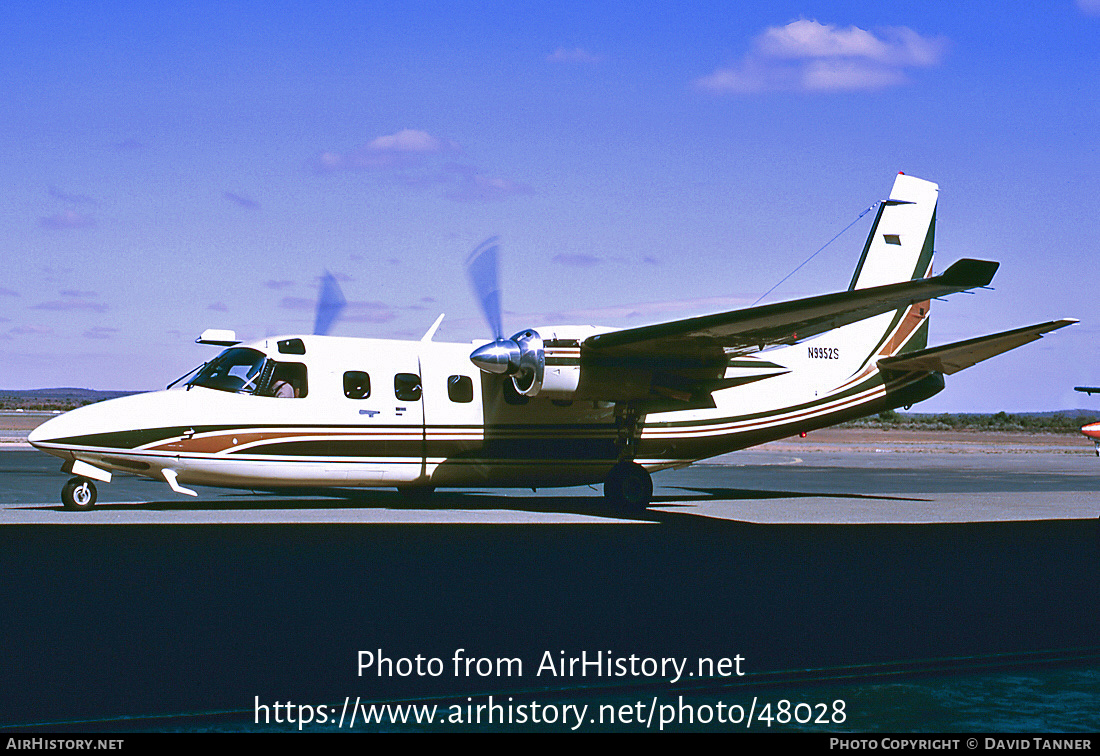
<point x="238" y="370"/>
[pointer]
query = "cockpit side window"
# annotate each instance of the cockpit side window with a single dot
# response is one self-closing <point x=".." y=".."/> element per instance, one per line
<point x="287" y="381"/>
<point x="235" y="370"/>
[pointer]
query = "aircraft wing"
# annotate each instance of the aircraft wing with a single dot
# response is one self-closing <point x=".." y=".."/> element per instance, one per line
<point x="712" y="337"/>
<point x="951" y="358"/>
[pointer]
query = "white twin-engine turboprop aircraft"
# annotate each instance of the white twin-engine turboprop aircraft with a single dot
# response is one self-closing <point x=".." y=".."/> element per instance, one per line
<point x="552" y="406"/>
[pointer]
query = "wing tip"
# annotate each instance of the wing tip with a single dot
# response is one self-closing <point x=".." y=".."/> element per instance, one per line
<point x="1054" y="325"/>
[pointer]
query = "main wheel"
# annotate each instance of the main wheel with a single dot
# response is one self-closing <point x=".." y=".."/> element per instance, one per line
<point x="628" y="487"/>
<point x="79" y="494"/>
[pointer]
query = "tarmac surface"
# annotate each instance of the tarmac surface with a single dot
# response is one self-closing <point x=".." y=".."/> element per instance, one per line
<point x="850" y="556"/>
<point x="835" y="476"/>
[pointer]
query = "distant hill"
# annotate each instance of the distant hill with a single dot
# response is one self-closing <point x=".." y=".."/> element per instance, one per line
<point x="1057" y="421"/>
<point x="55" y="398"/>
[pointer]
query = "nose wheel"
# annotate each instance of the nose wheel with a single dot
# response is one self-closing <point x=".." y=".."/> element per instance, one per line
<point x="79" y="494"/>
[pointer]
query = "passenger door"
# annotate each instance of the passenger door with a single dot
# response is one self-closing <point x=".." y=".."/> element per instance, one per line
<point x="388" y="397"/>
<point x="454" y="417"/>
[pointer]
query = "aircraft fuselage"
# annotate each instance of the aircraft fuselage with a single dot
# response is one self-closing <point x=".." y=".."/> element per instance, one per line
<point x="427" y="417"/>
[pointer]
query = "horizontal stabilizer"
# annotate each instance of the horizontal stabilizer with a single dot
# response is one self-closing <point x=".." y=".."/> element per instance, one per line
<point x="951" y="358"/>
<point x="713" y="337"/>
<point x="969" y="274"/>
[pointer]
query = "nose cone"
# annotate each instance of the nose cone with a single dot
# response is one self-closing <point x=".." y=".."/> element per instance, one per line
<point x="47" y="431"/>
<point x="58" y="429"/>
<point x="497" y="357"/>
<point x="40" y="434"/>
<point x="88" y="426"/>
<point x="51" y="436"/>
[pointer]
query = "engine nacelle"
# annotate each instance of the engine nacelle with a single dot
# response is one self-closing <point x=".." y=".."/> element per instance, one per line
<point x="562" y="357"/>
<point x="538" y="367"/>
<point x="528" y="375"/>
<point x="520" y="357"/>
<point x="560" y="381"/>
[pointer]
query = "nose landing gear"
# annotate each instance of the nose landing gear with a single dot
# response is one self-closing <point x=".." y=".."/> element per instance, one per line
<point x="79" y="494"/>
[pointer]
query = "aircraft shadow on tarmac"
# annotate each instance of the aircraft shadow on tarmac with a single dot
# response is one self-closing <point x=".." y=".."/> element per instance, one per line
<point x="738" y="494"/>
<point x="476" y="501"/>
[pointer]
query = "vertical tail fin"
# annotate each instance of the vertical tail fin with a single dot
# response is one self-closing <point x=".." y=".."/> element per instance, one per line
<point x="901" y="242"/>
<point x="899" y="248"/>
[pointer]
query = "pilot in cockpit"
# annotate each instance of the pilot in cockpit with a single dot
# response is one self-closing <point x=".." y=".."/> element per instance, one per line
<point x="281" y="385"/>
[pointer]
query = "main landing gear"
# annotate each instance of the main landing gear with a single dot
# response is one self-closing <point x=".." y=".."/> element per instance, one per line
<point x="628" y="487"/>
<point x="79" y="494"/>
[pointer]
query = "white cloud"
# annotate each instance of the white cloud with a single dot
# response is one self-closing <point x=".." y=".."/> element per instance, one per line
<point x="398" y="151"/>
<point x="841" y="75"/>
<point x="749" y="78"/>
<point x="808" y="56"/>
<point x="576" y="55"/>
<point x="897" y="46"/>
<point x="407" y="140"/>
<point x="1091" y="7"/>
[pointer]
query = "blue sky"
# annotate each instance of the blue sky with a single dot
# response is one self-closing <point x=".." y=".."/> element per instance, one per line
<point x="171" y="167"/>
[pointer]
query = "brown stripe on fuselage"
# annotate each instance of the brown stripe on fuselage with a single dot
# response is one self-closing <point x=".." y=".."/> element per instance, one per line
<point x="916" y="315"/>
<point x="903" y="331"/>
<point x="220" y="442"/>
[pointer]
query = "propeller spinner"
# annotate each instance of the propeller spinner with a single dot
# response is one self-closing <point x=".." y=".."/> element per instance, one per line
<point x="521" y="356"/>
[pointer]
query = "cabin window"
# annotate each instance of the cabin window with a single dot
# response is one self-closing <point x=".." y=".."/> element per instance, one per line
<point x="356" y="385"/>
<point x="406" y="386"/>
<point x="460" y="388"/>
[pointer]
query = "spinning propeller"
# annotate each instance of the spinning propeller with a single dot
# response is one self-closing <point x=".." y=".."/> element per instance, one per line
<point x="329" y="305"/>
<point x="521" y="356"/>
